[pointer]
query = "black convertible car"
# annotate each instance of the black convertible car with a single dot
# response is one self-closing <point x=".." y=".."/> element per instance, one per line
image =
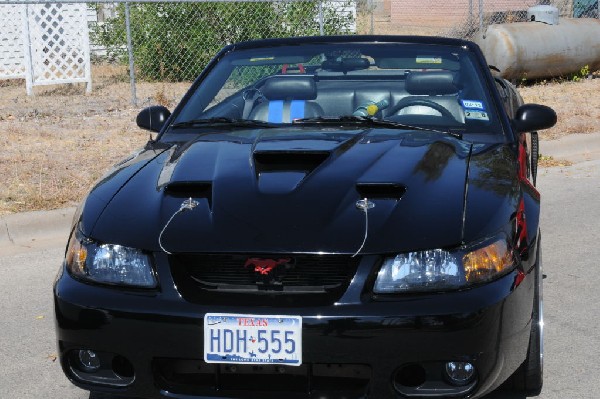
<point x="325" y="217"/>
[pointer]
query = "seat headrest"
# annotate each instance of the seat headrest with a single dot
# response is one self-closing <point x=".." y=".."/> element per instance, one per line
<point x="289" y="87"/>
<point x="433" y="83"/>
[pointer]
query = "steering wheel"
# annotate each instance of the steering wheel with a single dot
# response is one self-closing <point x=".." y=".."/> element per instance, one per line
<point x="410" y="102"/>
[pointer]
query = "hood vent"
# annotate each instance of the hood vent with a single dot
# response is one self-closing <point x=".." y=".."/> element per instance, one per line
<point x="190" y="189"/>
<point x="279" y="161"/>
<point x="392" y="191"/>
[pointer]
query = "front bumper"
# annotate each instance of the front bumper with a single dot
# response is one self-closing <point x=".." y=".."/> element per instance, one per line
<point x="358" y="347"/>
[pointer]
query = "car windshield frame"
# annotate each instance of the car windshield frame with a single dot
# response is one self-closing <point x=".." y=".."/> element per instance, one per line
<point x="376" y="65"/>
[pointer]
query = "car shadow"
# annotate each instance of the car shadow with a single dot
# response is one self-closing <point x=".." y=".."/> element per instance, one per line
<point x="505" y="395"/>
<point x="505" y="391"/>
<point x="96" y="395"/>
<point x="498" y="394"/>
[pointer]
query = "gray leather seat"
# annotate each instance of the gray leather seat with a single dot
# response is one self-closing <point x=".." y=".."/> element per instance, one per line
<point x="287" y="98"/>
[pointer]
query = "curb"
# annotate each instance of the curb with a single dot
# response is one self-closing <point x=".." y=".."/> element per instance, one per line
<point x="574" y="147"/>
<point x="24" y="229"/>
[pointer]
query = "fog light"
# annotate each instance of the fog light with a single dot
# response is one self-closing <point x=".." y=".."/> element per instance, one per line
<point x="89" y="360"/>
<point x="460" y="373"/>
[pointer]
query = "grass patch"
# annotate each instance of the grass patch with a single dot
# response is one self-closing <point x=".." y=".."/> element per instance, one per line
<point x="547" y="161"/>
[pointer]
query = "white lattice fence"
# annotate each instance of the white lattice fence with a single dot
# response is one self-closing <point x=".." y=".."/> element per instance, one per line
<point x="12" y="57"/>
<point x="59" y="44"/>
<point x="45" y="44"/>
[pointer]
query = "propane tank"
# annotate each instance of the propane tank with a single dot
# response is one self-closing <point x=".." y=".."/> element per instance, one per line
<point x="538" y="50"/>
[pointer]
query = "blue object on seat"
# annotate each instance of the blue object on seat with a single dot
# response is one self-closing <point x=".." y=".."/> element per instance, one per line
<point x="284" y="110"/>
<point x="275" y="111"/>
<point x="297" y="109"/>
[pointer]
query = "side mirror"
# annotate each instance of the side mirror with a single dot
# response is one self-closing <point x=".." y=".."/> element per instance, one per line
<point x="153" y="118"/>
<point x="533" y="117"/>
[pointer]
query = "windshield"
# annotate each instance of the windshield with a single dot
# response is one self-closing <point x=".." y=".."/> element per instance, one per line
<point x="427" y="86"/>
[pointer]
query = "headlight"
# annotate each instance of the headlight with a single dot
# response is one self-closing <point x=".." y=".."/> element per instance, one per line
<point x="109" y="263"/>
<point x="426" y="270"/>
<point x="436" y="270"/>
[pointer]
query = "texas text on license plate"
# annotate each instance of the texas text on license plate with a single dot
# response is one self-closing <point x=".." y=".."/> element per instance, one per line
<point x="252" y="339"/>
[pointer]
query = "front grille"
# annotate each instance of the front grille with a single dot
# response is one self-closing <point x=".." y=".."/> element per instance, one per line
<point x="195" y="377"/>
<point x="200" y="276"/>
<point x="233" y="271"/>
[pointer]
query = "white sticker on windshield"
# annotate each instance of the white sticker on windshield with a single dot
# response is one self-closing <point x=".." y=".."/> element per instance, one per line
<point x="476" y="114"/>
<point x="473" y="104"/>
<point x="428" y="60"/>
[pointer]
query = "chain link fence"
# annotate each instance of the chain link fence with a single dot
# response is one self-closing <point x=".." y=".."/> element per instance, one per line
<point x="462" y="18"/>
<point x="171" y="41"/>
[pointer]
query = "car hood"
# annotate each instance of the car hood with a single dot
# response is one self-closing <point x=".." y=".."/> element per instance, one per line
<point x="266" y="192"/>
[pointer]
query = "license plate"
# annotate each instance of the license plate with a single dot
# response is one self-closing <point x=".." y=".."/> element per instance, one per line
<point x="252" y="339"/>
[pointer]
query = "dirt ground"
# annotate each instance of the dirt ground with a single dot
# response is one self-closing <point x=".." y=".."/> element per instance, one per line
<point x="55" y="144"/>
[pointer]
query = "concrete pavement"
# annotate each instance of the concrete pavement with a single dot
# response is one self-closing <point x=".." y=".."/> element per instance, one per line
<point x="575" y="147"/>
<point x="39" y="230"/>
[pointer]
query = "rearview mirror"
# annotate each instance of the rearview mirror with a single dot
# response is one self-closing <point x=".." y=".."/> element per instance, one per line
<point x="533" y="117"/>
<point x="346" y="64"/>
<point x="153" y="118"/>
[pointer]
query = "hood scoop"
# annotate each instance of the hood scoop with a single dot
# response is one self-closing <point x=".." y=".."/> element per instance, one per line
<point x="190" y="189"/>
<point x="281" y="172"/>
<point x="288" y="161"/>
<point x="392" y="191"/>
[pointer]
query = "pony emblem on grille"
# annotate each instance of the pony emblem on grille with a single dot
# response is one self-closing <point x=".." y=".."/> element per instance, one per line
<point x="265" y="266"/>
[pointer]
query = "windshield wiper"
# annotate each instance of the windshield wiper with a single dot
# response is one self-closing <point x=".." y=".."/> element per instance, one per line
<point x="371" y="121"/>
<point x="350" y="119"/>
<point x="224" y="122"/>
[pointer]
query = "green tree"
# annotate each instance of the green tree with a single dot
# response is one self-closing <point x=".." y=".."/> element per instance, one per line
<point x="175" y="41"/>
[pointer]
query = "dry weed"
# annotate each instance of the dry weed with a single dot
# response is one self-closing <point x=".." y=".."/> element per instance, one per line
<point x="547" y="161"/>
<point x="55" y="144"/>
<point x="160" y="97"/>
<point x="577" y="105"/>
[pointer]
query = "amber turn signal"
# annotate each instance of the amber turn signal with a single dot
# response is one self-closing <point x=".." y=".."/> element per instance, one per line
<point x="76" y="256"/>
<point x="485" y="263"/>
